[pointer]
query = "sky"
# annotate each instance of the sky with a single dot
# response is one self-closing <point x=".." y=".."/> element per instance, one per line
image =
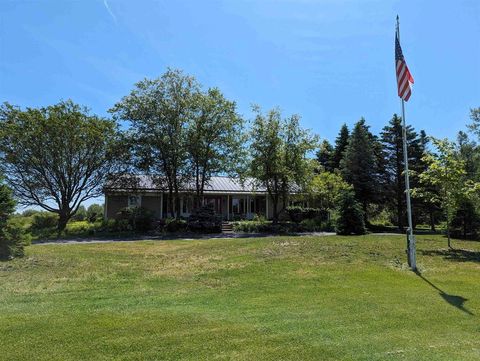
<point x="330" y="61"/>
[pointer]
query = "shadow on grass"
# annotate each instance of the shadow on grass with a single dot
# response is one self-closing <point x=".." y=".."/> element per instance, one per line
<point x="455" y="301"/>
<point x="458" y="255"/>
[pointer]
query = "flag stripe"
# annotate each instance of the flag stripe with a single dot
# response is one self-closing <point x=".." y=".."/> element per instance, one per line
<point x="404" y="77"/>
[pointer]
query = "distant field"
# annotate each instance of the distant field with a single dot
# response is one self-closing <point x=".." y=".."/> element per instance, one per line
<point x="280" y="298"/>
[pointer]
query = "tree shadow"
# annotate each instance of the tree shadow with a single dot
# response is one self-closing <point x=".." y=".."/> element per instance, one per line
<point x="456" y="301"/>
<point x="458" y="255"/>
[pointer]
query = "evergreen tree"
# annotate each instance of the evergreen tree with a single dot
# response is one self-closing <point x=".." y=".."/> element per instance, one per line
<point x="350" y="215"/>
<point x="359" y="166"/>
<point x="340" y="145"/>
<point x="325" y="156"/>
<point x="392" y="140"/>
<point x="12" y="237"/>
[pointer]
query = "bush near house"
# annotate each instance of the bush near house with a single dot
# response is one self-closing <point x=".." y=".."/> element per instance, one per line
<point x="137" y="219"/>
<point x="298" y="214"/>
<point x="204" y="219"/>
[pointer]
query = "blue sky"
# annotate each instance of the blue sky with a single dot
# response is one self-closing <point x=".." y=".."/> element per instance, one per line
<point x="331" y="61"/>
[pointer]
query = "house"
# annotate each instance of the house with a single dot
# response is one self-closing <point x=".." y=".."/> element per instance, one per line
<point x="230" y="198"/>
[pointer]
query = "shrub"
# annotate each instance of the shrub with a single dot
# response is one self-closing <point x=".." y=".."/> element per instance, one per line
<point x="80" y="215"/>
<point x="44" y="220"/>
<point x="204" y="219"/>
<point x="29" y="212"/>
<point x="94" y="213"/>
<point x="350" y="215"/>
<point x="13" y="239"/>
<point x="175" y="225"/>
<point x="134" y="219"/>
<point x="298" y="214"/>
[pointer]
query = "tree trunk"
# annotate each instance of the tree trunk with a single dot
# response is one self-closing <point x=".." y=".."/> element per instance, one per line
<point x="63" y="218"/>
<point x="432" y="222"/>
<point x="448" y="233"/>
<point x="275" y="209"/>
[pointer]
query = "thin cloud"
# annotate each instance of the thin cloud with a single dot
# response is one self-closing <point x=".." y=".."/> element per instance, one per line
<point x="110" y="11"/>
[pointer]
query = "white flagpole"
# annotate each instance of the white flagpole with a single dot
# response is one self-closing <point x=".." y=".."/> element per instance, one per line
<point x="411" y="246"/>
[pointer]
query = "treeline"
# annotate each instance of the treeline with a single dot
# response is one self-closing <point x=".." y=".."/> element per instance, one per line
<point x="444" y="175"/>
<point x="59" y="156"/>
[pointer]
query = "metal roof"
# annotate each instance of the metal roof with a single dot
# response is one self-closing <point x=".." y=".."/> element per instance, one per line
<point x="217" y="184"/>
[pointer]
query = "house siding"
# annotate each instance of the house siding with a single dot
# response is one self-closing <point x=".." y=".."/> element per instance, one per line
<point x="115" y="204"/>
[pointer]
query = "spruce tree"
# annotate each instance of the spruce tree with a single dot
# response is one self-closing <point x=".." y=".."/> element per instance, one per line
<point x="359" y="166"/>
<point x="392" y="140"/>
<point x="12" y="237"/>
<point x="340" y="145"/>
<point x="325" y="156"/>
<point x="350" y="215"/>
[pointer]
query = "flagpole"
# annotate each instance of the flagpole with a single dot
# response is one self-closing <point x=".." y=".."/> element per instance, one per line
<point x="411" y="246"/>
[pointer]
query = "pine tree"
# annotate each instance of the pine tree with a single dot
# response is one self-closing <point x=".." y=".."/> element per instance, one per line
<point x="340" y="145"/>
<point x="325" y="156"/>
<point x="359" y="166"/>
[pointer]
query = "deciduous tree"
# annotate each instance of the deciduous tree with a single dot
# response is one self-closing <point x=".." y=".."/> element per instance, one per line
<point x="57" y="157"/>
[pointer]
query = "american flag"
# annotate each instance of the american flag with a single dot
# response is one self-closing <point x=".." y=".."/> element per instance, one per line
<point x="404" y="78"/>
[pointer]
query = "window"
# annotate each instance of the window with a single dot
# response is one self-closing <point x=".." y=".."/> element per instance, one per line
<point x="238" y="205"/>
<point x="134" y="201"/>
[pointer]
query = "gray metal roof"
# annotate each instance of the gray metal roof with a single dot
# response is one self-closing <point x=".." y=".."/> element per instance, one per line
<point x="216" y="184"/>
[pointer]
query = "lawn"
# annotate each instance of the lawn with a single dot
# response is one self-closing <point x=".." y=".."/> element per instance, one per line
<point x="277" y="298"/>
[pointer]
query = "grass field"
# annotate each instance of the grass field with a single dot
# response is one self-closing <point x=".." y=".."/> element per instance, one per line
<point x="280" y="298"/>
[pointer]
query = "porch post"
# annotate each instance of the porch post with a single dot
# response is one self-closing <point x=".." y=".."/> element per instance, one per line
<point x="161" y="205"/>
<point x="105" y="212"/>
<point x="266" y="206"/>
<point x="228" y="207"/>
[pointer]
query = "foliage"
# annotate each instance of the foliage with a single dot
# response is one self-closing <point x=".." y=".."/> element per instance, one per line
<point x="12" y="235"/>
<point x="136" y="219"/>
<point x="56" y="157"/>
<point x="44" y="220"/>
<point x="350" y="217"/>
<point x="204" y="219"/>
<point x="298" y="214"/>
<point x="394" y="190"/>
<point x="446" y="172"/>
<point x="80" y="215"/>
<point x="325" y="156"/>
<point x="159" y="111"/>
<point x="325" y="188"/>
<point x="174" y="225"/>
<point x="214" y="139"/>
<point x="29" y="212"/>
<point x="95" y="213"/>
<point x="341" y="143"/>
<point x="360" y="167"/>
<point x="278" y="155"/>
<point x="13" y="239"/>
<point x="466" y="221"/>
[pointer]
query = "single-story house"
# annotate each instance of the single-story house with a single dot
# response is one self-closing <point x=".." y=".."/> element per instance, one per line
<point x="230" y="198"/>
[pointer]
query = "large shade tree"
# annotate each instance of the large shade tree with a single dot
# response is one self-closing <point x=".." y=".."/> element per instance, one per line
<point x="159" y="111"/>
<point x="57" y="157"/>
<point x="214" y="139"/>
<point x="278" y="151"/>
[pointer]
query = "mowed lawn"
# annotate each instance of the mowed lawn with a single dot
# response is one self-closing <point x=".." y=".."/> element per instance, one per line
<point x="275" y="298"/>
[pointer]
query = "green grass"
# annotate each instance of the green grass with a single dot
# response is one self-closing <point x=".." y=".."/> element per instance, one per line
<point x="281" y="298"/>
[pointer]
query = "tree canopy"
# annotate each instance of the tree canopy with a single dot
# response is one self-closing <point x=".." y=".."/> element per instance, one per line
<point x="57" y="157"/>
